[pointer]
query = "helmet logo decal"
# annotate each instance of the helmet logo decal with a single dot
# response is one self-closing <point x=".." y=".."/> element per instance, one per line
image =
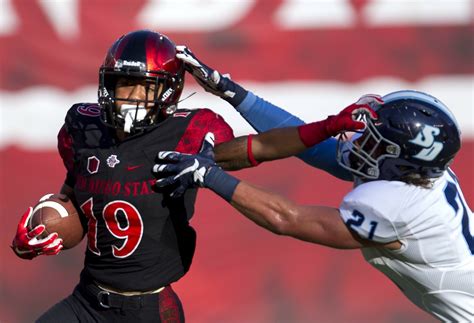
<point x="167" y="94"/>
<point x="121" y="63"/>
<point x="112" y="161"/>
<point x="426" y="139"/>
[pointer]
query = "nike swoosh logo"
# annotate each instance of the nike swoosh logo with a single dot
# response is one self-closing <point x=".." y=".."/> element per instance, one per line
<point x="129" y="168"/>
<point x="188" y="169"/>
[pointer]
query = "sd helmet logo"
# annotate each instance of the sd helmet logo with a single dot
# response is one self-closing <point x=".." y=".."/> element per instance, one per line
<point x="426" y="139"/>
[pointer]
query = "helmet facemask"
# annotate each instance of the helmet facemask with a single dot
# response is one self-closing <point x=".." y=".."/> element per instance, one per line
<point x="135" y="115"/>
<point x="414" y="139"/>
<point x="364" y="153"/>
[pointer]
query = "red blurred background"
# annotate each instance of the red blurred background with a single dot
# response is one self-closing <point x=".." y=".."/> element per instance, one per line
<point x="310" y="57"/>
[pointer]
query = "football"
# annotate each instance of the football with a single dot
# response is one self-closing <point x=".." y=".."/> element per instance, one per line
<point x="58" y="214"/>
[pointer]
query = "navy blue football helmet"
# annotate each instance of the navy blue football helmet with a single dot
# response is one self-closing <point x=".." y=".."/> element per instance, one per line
<point x="414" y="134"/>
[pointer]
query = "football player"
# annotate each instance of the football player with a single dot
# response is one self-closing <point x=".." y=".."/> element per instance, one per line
<point x="139" y="242"/>
<point x="406" y="212"/>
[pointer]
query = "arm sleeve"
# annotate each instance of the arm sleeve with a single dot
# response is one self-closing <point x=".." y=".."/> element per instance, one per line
<point x="369" y="220"/>
<point x="263" y="116"/>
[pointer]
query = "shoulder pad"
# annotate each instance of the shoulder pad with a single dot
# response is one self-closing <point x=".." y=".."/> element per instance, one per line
<point x="83" y="113"/>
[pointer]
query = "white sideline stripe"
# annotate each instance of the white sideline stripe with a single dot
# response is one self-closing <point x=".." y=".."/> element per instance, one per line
<point x="31" y="118"/>
<point x="55" y="205"/>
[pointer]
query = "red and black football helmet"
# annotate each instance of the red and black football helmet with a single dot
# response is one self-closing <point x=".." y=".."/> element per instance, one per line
<point x="415" y="133"/>
<point x="149" y="56"/>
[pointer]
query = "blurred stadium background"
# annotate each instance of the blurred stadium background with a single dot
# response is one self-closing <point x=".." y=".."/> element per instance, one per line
<point x="311" y="57"/>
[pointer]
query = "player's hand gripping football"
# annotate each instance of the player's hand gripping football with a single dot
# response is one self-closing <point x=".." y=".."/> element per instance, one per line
<point x="211" y="80"/>
<point x="183" y="170"/>
<point x="27" y="244"/>
<point x="352" y="117"/>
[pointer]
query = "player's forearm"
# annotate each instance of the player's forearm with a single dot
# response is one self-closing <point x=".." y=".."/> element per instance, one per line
<point x="271" y="145"/>
<point x="316" y="224"/>
<point x="267" y="209"/>
<point x="232" y="155"/>
<point x="277" y="144"/>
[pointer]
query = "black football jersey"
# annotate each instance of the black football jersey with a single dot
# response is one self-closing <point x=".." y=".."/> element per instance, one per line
<point x="138" y="239"/>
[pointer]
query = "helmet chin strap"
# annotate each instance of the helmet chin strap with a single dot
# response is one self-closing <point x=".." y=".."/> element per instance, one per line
<point x="130" y="114"/>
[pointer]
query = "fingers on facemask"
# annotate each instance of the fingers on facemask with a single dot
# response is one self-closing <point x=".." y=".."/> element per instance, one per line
<point x="370" y="99"/>
<point x="364" y="111"/>
<point x="215" y="77"/>
<point x="181" y="48"/>
<point x="184" y="54"/>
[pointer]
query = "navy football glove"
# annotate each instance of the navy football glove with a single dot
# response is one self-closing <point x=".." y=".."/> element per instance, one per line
<point x="211" y="80"/>
<point x="186" y="171"/>
<point x="189" y="170"/>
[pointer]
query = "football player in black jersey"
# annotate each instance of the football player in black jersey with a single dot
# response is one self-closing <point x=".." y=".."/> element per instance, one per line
<point x="139" y="241"/>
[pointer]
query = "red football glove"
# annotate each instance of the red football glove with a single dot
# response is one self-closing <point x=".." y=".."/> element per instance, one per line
<point x="28" y="245"/>
<point x="316" y="132"/>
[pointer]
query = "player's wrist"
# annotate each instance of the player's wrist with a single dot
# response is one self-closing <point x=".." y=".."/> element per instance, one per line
<point x="220" y="182"/>
<point x="23" y="254"/>
<point x="314" y="132"/>
<point x="232" y="92"/>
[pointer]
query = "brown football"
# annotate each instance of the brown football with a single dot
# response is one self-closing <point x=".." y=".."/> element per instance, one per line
<point x="58" y="214"/>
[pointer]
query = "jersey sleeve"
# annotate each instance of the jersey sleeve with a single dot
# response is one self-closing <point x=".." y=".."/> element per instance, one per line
<point x="370" y="219"/>
<point x="221" y="129"/>
<point x="212" y="122"/>
<point x="65" y="148"/>
<point x="204" y="121"/>
<point x="263" y="116"/>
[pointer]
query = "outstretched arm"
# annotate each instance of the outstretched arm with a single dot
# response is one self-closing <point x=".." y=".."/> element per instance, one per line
<point x="284" y="142"/>
<point x="317" y="224"/>
<point x="262" y="116"/>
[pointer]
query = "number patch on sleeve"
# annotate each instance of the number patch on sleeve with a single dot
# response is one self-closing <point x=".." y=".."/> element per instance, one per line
<point x="357" y="221"/>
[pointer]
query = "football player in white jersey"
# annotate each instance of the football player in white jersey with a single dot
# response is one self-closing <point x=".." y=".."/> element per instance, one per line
<point x="406" y="212"/>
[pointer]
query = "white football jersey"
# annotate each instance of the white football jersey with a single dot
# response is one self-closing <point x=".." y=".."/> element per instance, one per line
<point x="435" y="266"/>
